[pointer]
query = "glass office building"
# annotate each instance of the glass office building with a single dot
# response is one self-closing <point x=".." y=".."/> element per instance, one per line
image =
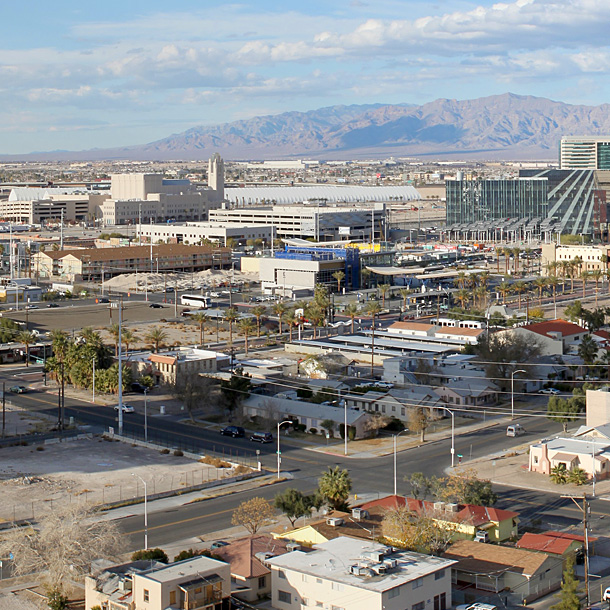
<point x="584" y="152"/>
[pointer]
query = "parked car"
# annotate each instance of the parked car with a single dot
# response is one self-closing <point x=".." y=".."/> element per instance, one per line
<point x="156" y="306"/>
<point x="549" y="391"/>
<point x="52" y="305"/>
<point x="18" y="389"/>
<point x="477" y="606"/>
<point x="218" y="544"/>
<point x="138" y="387"/>
<point x="262" y="437"/>
<point x="481" y="536"/>
<point x="126" y="408"/>
<point x="606" y="595"/>
<point x="234" y="431"/>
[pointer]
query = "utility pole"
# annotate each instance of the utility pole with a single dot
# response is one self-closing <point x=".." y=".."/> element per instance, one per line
<point x="120" y="366"/>
<point x="3" y="408"/>
<point x="61" y="231"/>
<point x="585" y="509"/>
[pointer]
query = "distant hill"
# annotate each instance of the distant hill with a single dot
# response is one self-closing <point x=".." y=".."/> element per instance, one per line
<point x="504" y="126"/>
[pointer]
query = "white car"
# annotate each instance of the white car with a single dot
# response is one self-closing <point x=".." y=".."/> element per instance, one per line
<point x="126" y="408"/>
<point x="606" y="595"/>
<point x="476" y="606"/>
<point x="549" y="391"/>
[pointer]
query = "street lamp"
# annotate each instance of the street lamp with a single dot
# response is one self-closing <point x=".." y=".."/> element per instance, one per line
<point x="93" y="396"/>
<point x="145" y="416"/>
<point x="133" y="474"/>
<point x="512" y="392"/>
<point x="395" y="439"/>
<point x="279" y="455"/>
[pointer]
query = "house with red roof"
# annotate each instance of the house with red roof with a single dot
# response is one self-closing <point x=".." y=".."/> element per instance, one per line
<point x="465" y="519"/>
<point x="556" y="337"/>
<point x="552" y="545"/>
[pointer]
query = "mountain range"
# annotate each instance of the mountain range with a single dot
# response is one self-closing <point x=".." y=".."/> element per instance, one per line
<point x="499" y="127"/>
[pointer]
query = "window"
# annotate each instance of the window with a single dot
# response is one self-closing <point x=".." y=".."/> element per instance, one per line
<point x="318" y="581"/>
<point x="419" y="606"/>
<point x="146" y="595"/>
<point x="319" y="604"/>
<point x="395" y="592"/>
<point x="418" y="583"/>
<point x="440" y="602"/>
<point x="304" y="577"/>
<point x="262" y="582"/>
<point x="172" y="598"/>
<point x="440" y="574"/>
<point x="336" y="608"/>
<point x="281" y="574"/>
<point x="336" y="586"/>
<point x="283" y="596"/>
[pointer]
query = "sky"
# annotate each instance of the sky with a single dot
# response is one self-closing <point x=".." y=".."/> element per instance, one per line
<point x="80" y="75"/>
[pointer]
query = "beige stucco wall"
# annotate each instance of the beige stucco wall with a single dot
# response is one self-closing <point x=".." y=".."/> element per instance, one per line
<point x="598" y="408"/>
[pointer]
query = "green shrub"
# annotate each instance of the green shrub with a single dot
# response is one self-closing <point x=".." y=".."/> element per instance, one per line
<point x="40" y="448"/>
<point x="151" y="554"/>
<point x="164" y="451"/>
<point x="313" y="430"/>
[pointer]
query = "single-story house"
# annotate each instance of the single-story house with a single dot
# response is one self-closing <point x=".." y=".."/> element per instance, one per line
<point x="556" y="337"/>
<point x="553" y="545"/>
<point x="310" y="414"/>
<point x="469" y="392"/>
<point x="520" y="576"/>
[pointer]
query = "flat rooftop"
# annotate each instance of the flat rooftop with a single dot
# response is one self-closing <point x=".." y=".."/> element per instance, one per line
<point x="196" y="566"/>
<point x="332" y="560"/>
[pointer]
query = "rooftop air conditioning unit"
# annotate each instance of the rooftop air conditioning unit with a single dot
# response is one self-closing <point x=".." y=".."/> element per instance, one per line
<point x="379" y="568"/>
<point x="452" y="507"/>
<point x="359" y="513"/>
<point x="334" y="521"/>
<point x="439" y="505"/>
<point x="293" y="546"/>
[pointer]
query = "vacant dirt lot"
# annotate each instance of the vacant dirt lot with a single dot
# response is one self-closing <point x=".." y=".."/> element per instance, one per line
<point x="95" y="470"/>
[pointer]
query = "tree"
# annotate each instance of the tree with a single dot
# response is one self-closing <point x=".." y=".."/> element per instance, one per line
<point x="315" y="314"/>
<point x="464" y="487"/>
<point x="559" y="474"/>
<point x="384" y="290"/>
<point x="588" y="350"/>
<point x="128" y="337"/>
<point x="258" y="312"/>
<point x="114" y="333"/>
<point x="540" y="283"/>
<point x="280" y="309"/>
<point x="404" y="295"/>
<point x="192" y="391"/>
<point x="201" y="319"/>
<point x="27" y="338"/>
<point x="577" y="476"/>
<point x="156" y="554"/>
<point x="62" y="545"/>
<point x="230" y="316"/>
<point x="568" y="597"/>
<point x="421" y="485"/>
<point x="334" y="487"/>
<point x="329" y="426"/>
<point x="156" y="337"/>
<point x="294" y="504"/>
<point x="246" y="328"/>
<point x="563" y="410"/>
<point x="418" y="422"/>
<point x="352" y="311"/>
<point x="253" y="514"/>
<point x="373" y="309"/>
<point x="56" y="600"/>
<point x="235" y="390"/>
<point x="501" y="353"/>
<point x="339" y="276"/>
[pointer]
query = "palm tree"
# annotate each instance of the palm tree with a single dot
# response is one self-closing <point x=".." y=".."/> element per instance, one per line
<point x="60" y="343"/>
<point x="279" y="309"/>
<point x="596" y="276"/>
<point x="114" y="333"/>
<point x="373" y="308"/>
<point x="540" y="283"/>
<point x="553" y="282"/>
<point x="316" y="316"/>
<point x="504" y="289"/>
<point x="352" y="310"/>
<point x="516" y="252"/>
<point x="460" y="280"/>
<point x="91" y="337"/>
<point x="292" y="321"/>
<point x="201" y="319"/>
<point x="27" y="338"/>
<point x="462" y="296"/>
<point x="480" y="294"/>
<point x="258" y="312"/>
<point x="128" y="337"/>
<point x="365" y="275"/>
<point x="156" y="337"/>
<point x="246" y="326"/>
<point x="339" y="276"/>
<point x="584" y="276"/>
<point x="519" y="287"/>
<point x="384" y="290"/>
<point x="230" y="316"/>
<point x="404" y="293"/>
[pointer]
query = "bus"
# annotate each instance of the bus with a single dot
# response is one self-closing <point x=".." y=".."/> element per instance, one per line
<point x="195" y="300"/>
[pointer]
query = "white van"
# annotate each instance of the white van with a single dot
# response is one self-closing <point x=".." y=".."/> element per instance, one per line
<point x="515" y="430"/>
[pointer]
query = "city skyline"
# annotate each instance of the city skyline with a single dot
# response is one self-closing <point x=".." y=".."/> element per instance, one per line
<point x="132" y="73"/>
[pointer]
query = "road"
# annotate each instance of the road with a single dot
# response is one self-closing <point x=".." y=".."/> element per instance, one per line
<point x="372" y="475"/>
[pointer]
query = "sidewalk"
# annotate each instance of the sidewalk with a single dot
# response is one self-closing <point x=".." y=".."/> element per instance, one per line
<point x="377" y="447"/>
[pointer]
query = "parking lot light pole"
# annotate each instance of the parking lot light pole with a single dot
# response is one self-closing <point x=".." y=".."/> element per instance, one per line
<point x="512" y="392"/>
<point x="133" y="474"/>
<point x="279" y="454"/>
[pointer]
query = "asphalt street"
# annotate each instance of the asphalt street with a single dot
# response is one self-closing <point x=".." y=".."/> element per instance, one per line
<point x="370" y="475"/>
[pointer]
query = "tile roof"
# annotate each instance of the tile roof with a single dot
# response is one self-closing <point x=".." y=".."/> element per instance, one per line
<point x="465" y="332"/>
<point x="568" y="536"/>
<point x="241" y="554"/>
<point x="411" y="326"/>
<point x="547" y="544"/>
<point x="466" y="513"/>
<point x="566" y="329"/>
<point x="492" y="558"/>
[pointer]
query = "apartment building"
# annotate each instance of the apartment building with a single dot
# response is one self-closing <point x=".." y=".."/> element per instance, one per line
<point x="104" y="263"/>
<point x="589" y="258"/>
<point x="351" y="574"/>
<point x="200" y="583"/>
